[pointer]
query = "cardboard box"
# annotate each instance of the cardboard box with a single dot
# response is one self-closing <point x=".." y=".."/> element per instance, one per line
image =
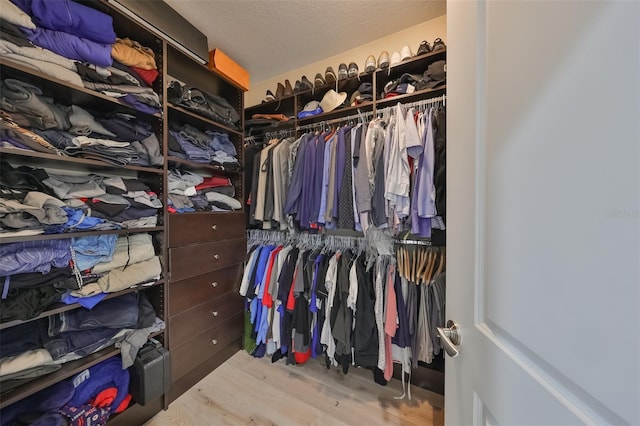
<point x="228" y="68"/>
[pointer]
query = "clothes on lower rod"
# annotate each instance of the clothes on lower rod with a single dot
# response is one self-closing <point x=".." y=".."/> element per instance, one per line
<point x="314" y="302"/>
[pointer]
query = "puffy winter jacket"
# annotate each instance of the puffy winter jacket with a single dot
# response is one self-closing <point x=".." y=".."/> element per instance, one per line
<point x="70" y="17"/>
<point x="71" y="46"/>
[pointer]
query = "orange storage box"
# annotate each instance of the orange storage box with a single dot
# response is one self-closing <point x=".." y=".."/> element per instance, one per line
<point x="229" y="69"/>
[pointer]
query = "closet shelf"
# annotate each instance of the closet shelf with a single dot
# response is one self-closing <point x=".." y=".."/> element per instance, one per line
<point x="39" y="237"/>
<point x="173" y="51"/>
<point x="79" y="95"/>
<point x="408" y="97"/>
<point x="277" y="103"/>
<point x="58" y="308"/>
<point x="336" y="113"/>
<point x="69" y="369"/>
<point x="188" y="114"/>
<point x="73" y="160"/>
<point x="205" y="213"/>
<point x="437" y="55"/>
<point x="206" y="167"/>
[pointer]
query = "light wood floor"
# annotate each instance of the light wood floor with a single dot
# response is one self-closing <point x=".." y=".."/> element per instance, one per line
<point x="246" y="390"/>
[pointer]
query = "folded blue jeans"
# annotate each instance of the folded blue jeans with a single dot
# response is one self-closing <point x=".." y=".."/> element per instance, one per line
<point x="120" y="312"/>
<point x="81" y="343"/>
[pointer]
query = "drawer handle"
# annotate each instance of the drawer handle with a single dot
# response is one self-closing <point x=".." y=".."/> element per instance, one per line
<point x="214" y="227"/>
<point x="214" y="284"/>
<point x="214" y="341"/>
<point x="214" y="313"/>
<point x="216" y="256"/>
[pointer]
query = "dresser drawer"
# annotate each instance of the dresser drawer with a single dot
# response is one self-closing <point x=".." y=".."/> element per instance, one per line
<point x="189" y="324"/>
<point x="193" y="228"/>
<point x="196" y="259"/>
<point x="191" y="292"/>
<point x="194" y="352"/>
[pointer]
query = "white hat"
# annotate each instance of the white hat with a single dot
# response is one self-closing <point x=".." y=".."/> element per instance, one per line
<point x="332" y="100"/>
<point x="311" y="106"/>
<point x="395" y="58"/>
<point x="405" y="53"/>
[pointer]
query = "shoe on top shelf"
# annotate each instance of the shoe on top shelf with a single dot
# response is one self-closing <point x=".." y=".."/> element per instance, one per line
<point x="405" y="53"/>
<point x="269" y="96"/>
<point x="288" y="90"/>
<point x="395" y="58"/>
<point x="353" y="70"/>
<point x="342" y="71"/>
<point x="370" y="64"/>
<point x="319" y="81"/>
<point x="330" y="75"/>
<point x="424" y="47"/>
<point x="383" y="59"/>
<point x="305" y="84"/>
<point x="438" y="44"/>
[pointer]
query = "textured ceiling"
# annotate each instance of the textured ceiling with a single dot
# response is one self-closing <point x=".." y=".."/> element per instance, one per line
<point x="270" y="37"/>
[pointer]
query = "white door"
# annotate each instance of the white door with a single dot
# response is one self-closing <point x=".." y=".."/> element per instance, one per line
<point x="543" y="265"/>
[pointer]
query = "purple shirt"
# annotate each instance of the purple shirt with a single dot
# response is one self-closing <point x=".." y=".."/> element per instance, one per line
<point x="340" y="153"/>
<point x="34" y="256"/>
<point x="295" y="186"/>
<point x="325" y="178"/>
<point x="308" y="173"/>
<point x="423" y="205"/>
<point x="317" y="177"/>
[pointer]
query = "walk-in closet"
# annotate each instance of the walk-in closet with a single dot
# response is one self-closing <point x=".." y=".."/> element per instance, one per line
<point x="233" y="212"/>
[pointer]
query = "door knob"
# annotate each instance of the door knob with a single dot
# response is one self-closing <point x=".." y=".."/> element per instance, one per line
<point x="450" y="338"/>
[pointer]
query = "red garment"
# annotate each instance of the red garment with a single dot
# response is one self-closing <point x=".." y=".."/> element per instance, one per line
<point x="105" y="398"/>
<point x="214" y="182"/>
<point x="291" y="300"/>
<point x="149" y="76"/>
<point x="124" y="404"/>
<point x="302" y="357"/>
<point x="267" y="300"/>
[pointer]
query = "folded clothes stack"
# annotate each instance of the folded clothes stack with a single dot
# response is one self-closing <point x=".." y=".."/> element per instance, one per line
<point x="87" y="398"/>
<point x="36" y="274"/>
<point x="208" y="147"/>
<point x="77" y="44"/>
<point x="206" y="104"/>
<point x="36" y="201"/>
<point x="330" y="101"/>
<point x="189" y="192"/>
<point x="434" y="77"/>
<point x="30" y="120"/>
<point x="39" y="347"/>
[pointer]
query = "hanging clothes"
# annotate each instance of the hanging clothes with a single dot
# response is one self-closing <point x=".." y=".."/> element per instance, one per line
<point x="350" y="307"/>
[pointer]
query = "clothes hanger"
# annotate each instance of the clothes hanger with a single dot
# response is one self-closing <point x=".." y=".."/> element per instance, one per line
<point x="441" y="264"/>
<point x="432" y="267"/>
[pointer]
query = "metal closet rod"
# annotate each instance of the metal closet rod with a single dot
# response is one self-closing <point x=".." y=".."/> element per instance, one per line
<point x="423" y="102"/>
<point x="417" y="243"/>
<point x="336" y="120"/>
<point x="274" y="236"/>
<point x="277" y="133"/>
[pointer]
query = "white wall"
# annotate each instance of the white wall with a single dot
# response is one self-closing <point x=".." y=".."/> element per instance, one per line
<point x="412" y="36"/>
